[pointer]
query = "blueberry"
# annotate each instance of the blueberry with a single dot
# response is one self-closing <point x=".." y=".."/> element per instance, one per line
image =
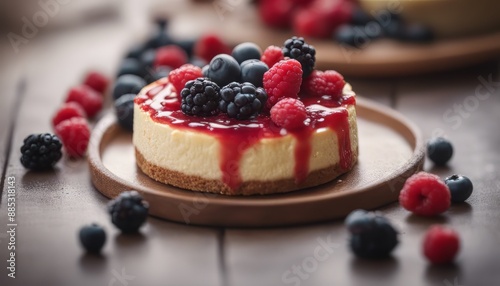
<point x="372" y="235"/>
<point x="124" y="110"/>
<point x="147" y="59"/>
<point x="360" y="17"/>
<point x="160" y="38"/>
<point x="351" y="35"/>
<point x="439" y="150"/>
<point x="224" y="69"/>
<point x="205" y="70"/>
<point x="131" y="66"/>
<point x="460" y="187"/>
<point x="127" y="84"/>
<point x="252" y="71"/>
<point x="246" y="51"/>
<point x="418" y="34"/>
<point x="92" y="238"/>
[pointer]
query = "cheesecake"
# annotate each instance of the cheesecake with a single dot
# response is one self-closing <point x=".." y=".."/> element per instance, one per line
<point x="224" y="155"/>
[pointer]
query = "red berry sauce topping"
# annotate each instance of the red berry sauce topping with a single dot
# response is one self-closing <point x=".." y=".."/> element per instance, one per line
<point x="236" y="136"/>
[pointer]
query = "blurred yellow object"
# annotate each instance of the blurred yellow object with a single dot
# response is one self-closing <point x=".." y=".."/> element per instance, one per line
<point x="448" y="18"/>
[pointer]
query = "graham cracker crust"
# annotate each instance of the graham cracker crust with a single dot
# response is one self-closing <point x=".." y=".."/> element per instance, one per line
<point x="200" y="184"/>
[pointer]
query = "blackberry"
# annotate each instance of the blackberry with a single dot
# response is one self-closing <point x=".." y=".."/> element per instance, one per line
<point x="128" y="211"/>
<point x="372" y="235"/>
<point x="41" y="151"/>
<point x="242" y="100"/>
<point x="200" y="97"/>
<point x="92" y="238"/>
<point x="296" y="48"/>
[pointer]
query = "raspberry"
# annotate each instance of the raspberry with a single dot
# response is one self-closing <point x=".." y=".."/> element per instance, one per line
<point x="289" y="113"/>
<point x="425" y="194"/>
<point x="311" y="23"/>
<point x="298" y="49"/>
<point x="171" y="56"/>
<point x="242" y="100"/>
<point x="330" y="14"/>
<point x="321" y="83"/>
<point x="75" y="135"/>
<point x="67" y="111"/>
<point x="441" y="244"/>
<point x="87" y="98"/>
<point x="276" y="13"/>
<point x="96" y="81"/>
<point x="282" y="80"/>
<point x="40" y="151"/>
<point x="210" y="45"/>
<point x="128" y="211"/>
<point x="272" y="55"/>
<point x="200" y="97"/>
<point x="180" y="76"/>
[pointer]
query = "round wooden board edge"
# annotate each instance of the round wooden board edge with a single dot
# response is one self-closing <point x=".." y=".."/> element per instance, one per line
<point x="195" y="208"/>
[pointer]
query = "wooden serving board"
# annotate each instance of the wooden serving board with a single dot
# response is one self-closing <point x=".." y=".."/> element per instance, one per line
<point x="376" y="58"/>
<point x="391" y="149"/>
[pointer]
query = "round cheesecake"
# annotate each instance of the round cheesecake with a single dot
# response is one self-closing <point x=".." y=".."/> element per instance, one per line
<point x="222" y="155"/>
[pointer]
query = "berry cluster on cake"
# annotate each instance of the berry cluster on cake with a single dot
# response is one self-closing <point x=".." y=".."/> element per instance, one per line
<point x="248" y="123"/>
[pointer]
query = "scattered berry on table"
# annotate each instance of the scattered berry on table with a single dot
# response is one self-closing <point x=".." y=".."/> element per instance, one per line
<point x="128" y="211"/>
<point x="124" y="110"/>
<point x="67" y="111"/>
<point x="253" y="71"/>
<point x="282" y="80"/>
<point x="246" y="51"/>
<point x="460" y="187"/>
<point x="40" y="151"/>
<point x="170" y="56"/>
<point x="425" y="194"/>
<point x="210" y="45"/>
<point x="131" y="66"/>
<point x="298" y="49"/>
<point x="321" y="83"/>
<point x="224" y="69"/>
<point x="87" y="98"/>
<point x="441" y="244"/>
<point x="242" y="100"/>
<point x="126" y="84"/>
<point x="75" y="135"/>
<point x="92" y="238"/>
<point x="97" y="81"/>
<point x="439" y="150"/>
<point x="289" y="113"/>
<point x="200" y="97"/>
<point x="272" y="55"/>
<point x="179" y="77"/>
<point x="372" y="235"/>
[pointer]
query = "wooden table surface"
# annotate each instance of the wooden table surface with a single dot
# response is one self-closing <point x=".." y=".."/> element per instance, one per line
<point x="462" y="105"/>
